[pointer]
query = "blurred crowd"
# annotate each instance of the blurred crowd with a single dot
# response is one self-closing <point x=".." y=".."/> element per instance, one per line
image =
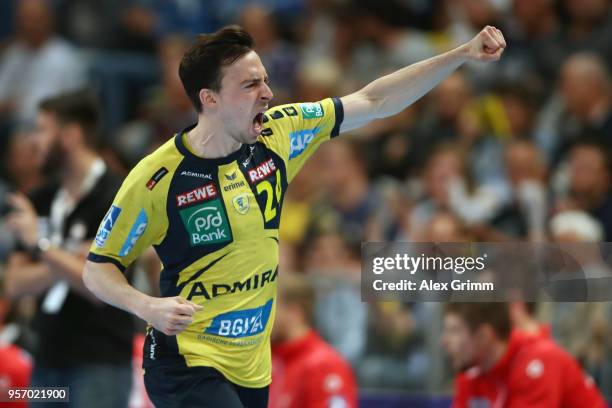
<point x="516" y="150"/>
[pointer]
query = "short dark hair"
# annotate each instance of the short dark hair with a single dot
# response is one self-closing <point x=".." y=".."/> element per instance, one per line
<point x="297" y="289"/>
<point x="201" y="65"/>
<point x="78" y="107"/>
<point x="475" y="314"/>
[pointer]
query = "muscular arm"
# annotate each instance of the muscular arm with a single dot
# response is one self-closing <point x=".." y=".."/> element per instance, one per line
<point x="107" y="282"/>
<point x="168" y="315"/>
<point x="392" y="93"/>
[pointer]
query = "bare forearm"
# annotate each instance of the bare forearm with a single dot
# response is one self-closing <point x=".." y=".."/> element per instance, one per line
<point x="394" y="92"/>
<point x="26" y="278"/>
<point x="107" y="283"/>
<point x="69" y="267"/>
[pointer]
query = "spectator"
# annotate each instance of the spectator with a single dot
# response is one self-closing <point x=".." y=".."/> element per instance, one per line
<point x="280" y="57"/>
<point x="586" y="107"/>
<point x="583" y="327"/>
<point x="589" y="186"/>
<point x="448" y="187"/>
<point x="534" y="30"/>
<point x="166" y="108"/>
<point x="524" y="216"/>
<point x="306" y="371"/>
<point x="497" y="368"/>
<point x="37" y="65"/>
<point x="15" y="363"/>
<point x="82" y="344"/>
<point x="589" y="27"/>
<point x="354" y="207"/>
<point x="335" y="268"/>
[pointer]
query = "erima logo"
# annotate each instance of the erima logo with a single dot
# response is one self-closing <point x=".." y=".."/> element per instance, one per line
<point x="241" y="323"/>
<point x="107" y="224"/>
<point x="300" y="140"/>
<point x="205" y="192"/>
<point x="231" y="177"/>
<point x="198" y="175"/>
<point x="262" y="171"/>
<point x="233" y="186"/>
<point x="198" y="289"/>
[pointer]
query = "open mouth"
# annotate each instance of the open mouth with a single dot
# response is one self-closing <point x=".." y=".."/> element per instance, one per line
<point x="258" y="122"/>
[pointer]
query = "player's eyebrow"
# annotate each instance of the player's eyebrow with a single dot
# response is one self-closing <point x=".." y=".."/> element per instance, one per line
<point x="254" y="80"/>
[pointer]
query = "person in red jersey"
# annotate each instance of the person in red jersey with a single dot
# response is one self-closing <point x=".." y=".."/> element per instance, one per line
<point x="306" y="371"/>
<point x="15" y="364"/>
<point x="501" y="368"/>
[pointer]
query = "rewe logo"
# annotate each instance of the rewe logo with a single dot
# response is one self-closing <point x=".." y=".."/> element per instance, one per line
<point x="262" y="171"/>
<point x="205" y="192"/>
<point x="300" y="141"/>
<point x="206" y="224"/>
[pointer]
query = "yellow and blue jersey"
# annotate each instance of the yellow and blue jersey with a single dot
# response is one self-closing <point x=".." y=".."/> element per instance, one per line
<point x="214" y="224"/>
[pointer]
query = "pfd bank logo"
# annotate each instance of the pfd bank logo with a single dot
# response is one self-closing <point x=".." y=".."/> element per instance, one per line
<point x="106" y="226"/>
<point x="241" y="323"/>
<point x="311" y="110"/>
<point x="206" y="223"/>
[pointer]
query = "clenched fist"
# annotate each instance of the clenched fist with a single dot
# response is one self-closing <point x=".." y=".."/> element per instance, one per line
<point x="487" y="45"/>
<point x="170" y="315"/>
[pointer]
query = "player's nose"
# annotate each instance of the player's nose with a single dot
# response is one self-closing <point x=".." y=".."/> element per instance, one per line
<point x="266" y="93"/>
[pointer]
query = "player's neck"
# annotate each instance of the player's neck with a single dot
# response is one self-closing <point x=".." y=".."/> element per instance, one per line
<point x="207" y="141"/>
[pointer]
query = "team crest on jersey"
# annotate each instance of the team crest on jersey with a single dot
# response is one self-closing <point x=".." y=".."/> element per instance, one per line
<point x="241" y="203"/>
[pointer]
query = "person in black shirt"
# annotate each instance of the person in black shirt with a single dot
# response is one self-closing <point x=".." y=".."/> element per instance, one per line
<point x="83" y="343"/>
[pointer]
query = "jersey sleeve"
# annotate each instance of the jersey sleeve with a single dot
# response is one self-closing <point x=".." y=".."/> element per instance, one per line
<point x="295" y="131"/>
<point x="132" y="223"/>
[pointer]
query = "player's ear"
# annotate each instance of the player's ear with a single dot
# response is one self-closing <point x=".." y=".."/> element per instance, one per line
<point x="208" y="98"/>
